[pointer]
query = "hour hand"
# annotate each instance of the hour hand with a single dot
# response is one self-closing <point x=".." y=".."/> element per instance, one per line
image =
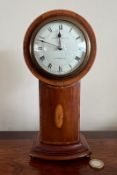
<point x="59" y="47"/>
<point x="59" y="37"/>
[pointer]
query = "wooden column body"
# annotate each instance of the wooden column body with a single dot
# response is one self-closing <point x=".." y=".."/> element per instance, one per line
<point x="59" y="137"/>
<point x="59" y="114"/>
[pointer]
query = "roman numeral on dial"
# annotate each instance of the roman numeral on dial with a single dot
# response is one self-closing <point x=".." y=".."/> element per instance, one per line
<point x="77" y="58"/>
<point x="70" y="29"/>
<point x="60" y="27"/>
<point x="60" y="69"/>
<point x="50" y="30"/>
<point x="49" y="65"/>
<point x="77" y="37"/>
<point x="42" y="58"/>
<point x="41" y="37"/>
<point x="39" y="48"/>
<point x="70" y="66"/>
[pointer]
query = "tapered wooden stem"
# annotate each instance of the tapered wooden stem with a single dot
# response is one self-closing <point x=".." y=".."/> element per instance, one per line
<point x="59" y="114"/>
<point x="59" y="137"/>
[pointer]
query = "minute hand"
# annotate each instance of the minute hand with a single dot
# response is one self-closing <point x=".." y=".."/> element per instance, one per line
<point x="48" y="43"/>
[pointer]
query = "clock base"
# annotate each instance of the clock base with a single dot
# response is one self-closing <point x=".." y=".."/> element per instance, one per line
<point x="60" y="152"/>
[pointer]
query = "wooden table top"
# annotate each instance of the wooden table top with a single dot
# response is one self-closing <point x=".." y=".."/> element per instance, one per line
<point x="15" y="160"/>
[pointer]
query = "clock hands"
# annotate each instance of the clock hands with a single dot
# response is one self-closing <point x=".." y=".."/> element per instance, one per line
<point x="48" y="43"/>
<point x="59" y="47"/>
<point x="59" y="37"/>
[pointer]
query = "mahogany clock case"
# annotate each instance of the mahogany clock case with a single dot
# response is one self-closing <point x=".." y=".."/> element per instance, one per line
<point x="91" y="47"/>
<point x="59" y="137"/>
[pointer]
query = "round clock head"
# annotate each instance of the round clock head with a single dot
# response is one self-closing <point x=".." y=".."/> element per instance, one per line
<point x="59" y="46"/>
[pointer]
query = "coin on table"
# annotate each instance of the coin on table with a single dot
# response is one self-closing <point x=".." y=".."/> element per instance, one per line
<point x="96" y="163"/>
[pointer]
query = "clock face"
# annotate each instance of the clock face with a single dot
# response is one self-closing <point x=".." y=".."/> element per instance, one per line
<point x="59" y="48"/>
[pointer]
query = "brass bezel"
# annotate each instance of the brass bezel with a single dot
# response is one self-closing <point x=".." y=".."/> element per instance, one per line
<point x="88" y="47"/>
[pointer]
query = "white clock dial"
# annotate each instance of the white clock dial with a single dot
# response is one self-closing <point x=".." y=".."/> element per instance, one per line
<point x="59" y="47"/>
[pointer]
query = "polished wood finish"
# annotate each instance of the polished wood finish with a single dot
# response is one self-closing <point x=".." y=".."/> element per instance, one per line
<point x="15" y="160"/>
<point x="69" y="100"/>
<point x="60" y="151"/>
<point x="70" y="16"/>
<point x="59" y="137"/>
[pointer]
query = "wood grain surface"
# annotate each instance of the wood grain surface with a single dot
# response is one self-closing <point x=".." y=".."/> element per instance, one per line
<point x="15" y="160"/>
<point x="59" y="137"/>
<point x="69" y="100"/>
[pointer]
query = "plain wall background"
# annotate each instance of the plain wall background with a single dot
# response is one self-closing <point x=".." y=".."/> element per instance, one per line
<point x="19" y="88"/>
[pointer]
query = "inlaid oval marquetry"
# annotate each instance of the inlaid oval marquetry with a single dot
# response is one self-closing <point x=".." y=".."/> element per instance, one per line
<point x="59" y="116"/>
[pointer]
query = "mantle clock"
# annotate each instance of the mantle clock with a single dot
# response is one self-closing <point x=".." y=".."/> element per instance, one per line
<point x="59" y="49"/>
